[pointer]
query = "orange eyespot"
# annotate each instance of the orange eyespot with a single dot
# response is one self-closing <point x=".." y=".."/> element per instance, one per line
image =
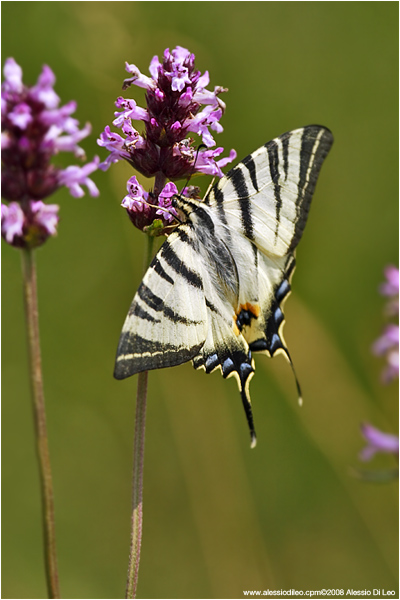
<point x="254" y="309"/>
<point x="244" y="315"/>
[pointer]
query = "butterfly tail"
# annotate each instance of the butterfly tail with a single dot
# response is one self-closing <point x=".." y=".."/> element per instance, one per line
<point x="244" y="393"/>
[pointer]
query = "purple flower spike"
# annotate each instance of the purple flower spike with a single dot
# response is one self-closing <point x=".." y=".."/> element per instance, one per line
<point x="388" y="343"/>
<point x="34" y="129"/>
<point x="378" y="441"/>
<point x="174" y="95"/>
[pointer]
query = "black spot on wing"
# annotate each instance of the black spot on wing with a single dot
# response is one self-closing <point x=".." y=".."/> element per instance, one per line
<point x="211" y="362"/>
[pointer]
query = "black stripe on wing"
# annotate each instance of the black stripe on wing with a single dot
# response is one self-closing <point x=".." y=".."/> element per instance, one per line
<point x="136" y="354"/>
<point x="238" y="180"/>
<point x="251" y="167"/>
<point x="285" y="138"/>
<point x="157" y="304"/>
<point x="316" y="141"/>
<point x="273" y="157"/>
<point x="176" y="263"/>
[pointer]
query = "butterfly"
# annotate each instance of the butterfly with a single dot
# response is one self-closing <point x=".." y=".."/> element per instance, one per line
<point x="213" y="293"/>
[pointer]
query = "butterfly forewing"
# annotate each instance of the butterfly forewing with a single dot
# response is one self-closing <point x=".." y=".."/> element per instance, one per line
<point x="167" y="321"/>
<point x="267" y="196"/>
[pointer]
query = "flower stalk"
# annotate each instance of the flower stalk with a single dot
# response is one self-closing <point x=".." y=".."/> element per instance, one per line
<point x="138" y="465"/>
<point x="42" y="447"/>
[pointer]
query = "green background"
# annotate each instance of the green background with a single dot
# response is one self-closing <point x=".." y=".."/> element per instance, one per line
<point x="219" y="518"/>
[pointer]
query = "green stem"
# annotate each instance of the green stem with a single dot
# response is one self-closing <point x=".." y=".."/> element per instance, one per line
<point x="46" y="484"/>
<point x="138" y="462"/>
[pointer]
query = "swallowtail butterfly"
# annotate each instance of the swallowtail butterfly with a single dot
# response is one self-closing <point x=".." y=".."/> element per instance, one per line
<point x="213" y="293"/>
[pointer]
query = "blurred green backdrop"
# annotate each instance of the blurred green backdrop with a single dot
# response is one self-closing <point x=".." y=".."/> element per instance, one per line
<point x="218" y="518"/>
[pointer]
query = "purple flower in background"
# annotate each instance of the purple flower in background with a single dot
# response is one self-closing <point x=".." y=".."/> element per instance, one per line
<point x="378" y="441"/>
<point x="388" y="344"/>
<point x="390" y="288"/>
<point x="175" y="93"/>
<point x="34" y="129"/>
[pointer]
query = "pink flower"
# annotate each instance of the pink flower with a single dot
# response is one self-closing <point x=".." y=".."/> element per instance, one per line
<point x="378" y="441"/>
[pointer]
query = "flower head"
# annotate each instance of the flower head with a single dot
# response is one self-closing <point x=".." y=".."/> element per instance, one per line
<point x="174" y="95"/>
<point x="34" y="129"/>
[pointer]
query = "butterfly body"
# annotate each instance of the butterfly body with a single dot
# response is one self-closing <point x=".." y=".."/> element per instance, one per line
<point x="214" y="292"/>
